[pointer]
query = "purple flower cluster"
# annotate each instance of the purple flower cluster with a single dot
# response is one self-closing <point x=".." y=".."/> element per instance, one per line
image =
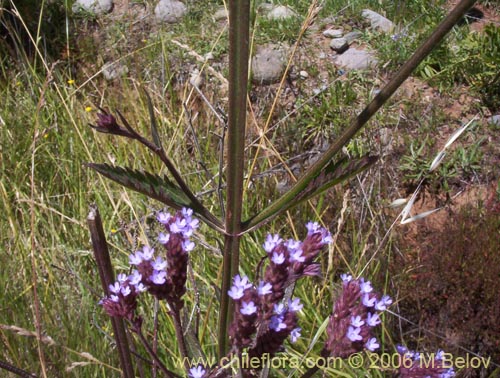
<point x="261" y="320"/>
<point x="197" y="372"/>
<point x="355" y="313"/>
<point x="163" y="277"/>
<point x="416" y="365"/>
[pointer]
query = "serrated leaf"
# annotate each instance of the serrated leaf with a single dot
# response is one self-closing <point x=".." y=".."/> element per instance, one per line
<point x="154" y="125"/>
<point x="161" y="189"/>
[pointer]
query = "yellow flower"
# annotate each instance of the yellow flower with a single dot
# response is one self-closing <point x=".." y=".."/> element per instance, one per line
<point x="88" y="109"/>
<point x="71" y="82"/>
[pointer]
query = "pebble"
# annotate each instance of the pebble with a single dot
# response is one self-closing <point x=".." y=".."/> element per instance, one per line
<point x="269" y="63"/>
<point x="333" y="33"/>
<point x="98" y="7"/>
<point x="170" y="11"/>
<point x="339" y="45"/>
<point x="377" y="21"/>
<point x="356" y="59"/>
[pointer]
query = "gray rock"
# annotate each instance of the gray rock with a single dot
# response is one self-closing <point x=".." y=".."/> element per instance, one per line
<point x="352" y="36"/>
<point x="333" y="33"/>
<point x="303" y="74"/>
<point x="220" y="14"/>
<point x="280" y="12"/>
<point x="170" y="11"/>
<point x="378" y="21"/>
<point x="355" y="59"/>
<point x="339" y="45"/>
<point x="494" y="120"/>
<point x="269" y="63"/>
<point x="98" y="7"/>
<point x="114" y="70"/>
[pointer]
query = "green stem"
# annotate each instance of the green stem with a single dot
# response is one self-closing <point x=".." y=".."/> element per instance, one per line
<point x="239" y="34"/>
<point x="360" y="121"/>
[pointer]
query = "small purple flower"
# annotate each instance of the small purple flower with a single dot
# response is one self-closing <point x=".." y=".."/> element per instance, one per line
<point x="114" y="288"/>
<point x="197" y="372"/>
<point x="159" y="263"/>
<point x="147" y="253"/>
<point x="248" y="308"/>
<point x="372" y="344"/>
<point x="135" y="259"/>
<point x="140" y="288"/>
<point x="312" y="227"/>
<point x="365" y="286"/>
<point x="368" y="301"/>
<point x="163" y="238"/>
<point x="276" y="323"/>
<point x="372" y="319"/>
<point x="346" y="277"/>
<point x="356" y="321"/>
<point x="278" y="258"/>
<point x="271" y="242"/>
<point x="242" y="282"/>
<point x="135" y="277"/>
<point x="295" y="305"/>
<point x="125" y="290"/>
<point x="295" y="334"/>
<point x="187" y="212"/>
<point x="236" y="292"/>
<point x="279" y="308"/>
<point x="114" y="298"/>
<point x="293" y="245"/>
<point x="178" y="226"/>
<point x="122" y="278"/>
<point x="264" y="288"/>
<point x="297" y="256"/>
<point x="163" y="218"/>
<point x="158" y="277"/>
<point x="353" y="334"/>
<point x="383" y="303"/>
<point x="188" y="245"/>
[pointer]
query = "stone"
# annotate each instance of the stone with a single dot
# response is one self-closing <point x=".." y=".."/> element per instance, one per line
<point x="339" y="45"/>
<point x="114" y="70"/>
<point x="170" y="11"/>
<point x="352" y="36"/>
<point x="494" y="120"/>
<point x="97" y="7"/>
<point x="333" y="33"/>
<point x="378" y="21"/>
<point x="221" y="14"/>
<point x="269" y="63"/>
<point x="280" y="12"/>
<point x="303" y="74"/>
<point x="356" y="59"/>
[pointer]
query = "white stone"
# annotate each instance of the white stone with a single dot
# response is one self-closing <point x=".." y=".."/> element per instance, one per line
<point x="355" y="59"/>
<point x="339" y="45"/>
<point x="269" y="63"/>
<point x="378" y="21"/>
<point x="170" y="11"/>
<point x="98" y="7"/>
<point x="280" y="12"/>
<point x="333" y="33"/>
<point x="303" y="74"/>
<point x="220" y="14"/>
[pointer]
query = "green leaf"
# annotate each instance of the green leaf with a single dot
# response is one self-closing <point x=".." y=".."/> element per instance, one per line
<point x="161" y="189"/>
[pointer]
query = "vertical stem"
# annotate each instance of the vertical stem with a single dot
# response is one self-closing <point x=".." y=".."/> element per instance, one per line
<point x="239" y="34"/>
<point x="101" y="253"/>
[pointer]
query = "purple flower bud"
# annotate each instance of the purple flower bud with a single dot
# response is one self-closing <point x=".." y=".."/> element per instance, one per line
<point x="295" y="334"/>
<point x="372" y="344"/>
<point x="248" y="308"/>
<point x="295" y="305"/>
<point x="264" y="288"/>
<point x="353" y="334"/>
<point x="106" y="121"/>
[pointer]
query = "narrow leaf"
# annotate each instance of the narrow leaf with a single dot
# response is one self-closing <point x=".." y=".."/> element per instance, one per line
<point x="154" y="125"/>
<point x="161" y="189"/>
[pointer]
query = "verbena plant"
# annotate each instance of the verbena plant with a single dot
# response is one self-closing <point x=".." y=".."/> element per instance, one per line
<point x="255" y="319"/>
